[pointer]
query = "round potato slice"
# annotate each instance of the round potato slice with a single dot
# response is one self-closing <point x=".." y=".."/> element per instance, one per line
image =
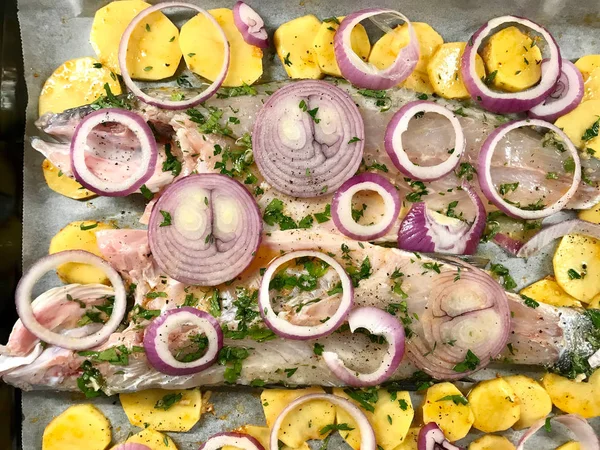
<point x="577" y="266"/>
<point x="444" y="70"/>
<point x="591" y="215"/>
<point x="153" y="439"/>
<point x="574" y="397"/>
<point x="445" y="405"/>
<point x="78" y="427"/>
<point x="491" y="442"/>
<point x="535" y="401"/>
<point x="570" y="446"/>
<point x="75" y="83"/>
<point x="62" y="184"/>
<point x="581" y="126"/>
<point x="495" y="406"/>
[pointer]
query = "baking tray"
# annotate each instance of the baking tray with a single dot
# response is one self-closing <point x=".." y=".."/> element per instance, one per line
<point x="54" y="31"/>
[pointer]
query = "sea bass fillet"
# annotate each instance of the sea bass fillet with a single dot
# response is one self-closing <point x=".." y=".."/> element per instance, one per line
<point x="544" y="335"/>
<point x="216" y="137"/>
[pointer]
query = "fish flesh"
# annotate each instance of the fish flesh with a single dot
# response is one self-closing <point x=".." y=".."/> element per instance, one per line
<point x="216" y="137"/>
<point x="544" y="336"/>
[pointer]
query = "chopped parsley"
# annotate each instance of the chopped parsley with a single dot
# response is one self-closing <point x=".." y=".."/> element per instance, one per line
<point x="376" y="166"/>
<point x="318" y="349"/>
<point x="286" y="60"/>
<point x="465" y="170"/>
<point x="118" y="356"/>
<point x="574" y="275"/>
<point x="313" y="113"/>
<point x="382" y="100"/>
<point x="232" y="358"/>
<point x="508" y="187"/>
<point x="354" y="139"/>
<point x="306" y="222"/>
<point x="91" y="380"/>
<point x="457" y="399"/>
<point x="290" y="372"/>
<point x="547" y="424"/>
<point x="139" y="313"/>
<point x="190" y="300"/>
<point x="432" y="266"/>
<point x="88" y="227"/>
<point x="166" y="218"/>
<point x="171" y="163"/>
<point x="569" y="165"/>
<point x="147" y="193"/>
<point x="156" y="294"/>
<point x="274" y="215"/>
<point x="592" y="131"/>
<point x="418" y="190"/>
<point x="110" y="100"/>
<point x="214" y="305"/>
<point x="366" y="398"/>
<point x="168" y="401"/>
<point x="489" y="79"/>
<point x="332" y="20"/>
<point x="501" y="271"/>
<point x="422" y="96"/>
<point x="470" y="362"/>
<point x="528" y="301"/>
<point x="237" y="91"/>
<point x="335" y="427"/>
<point x="551" y="176"/>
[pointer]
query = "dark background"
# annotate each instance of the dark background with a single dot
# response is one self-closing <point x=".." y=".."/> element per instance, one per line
<point x="13" y="98"/>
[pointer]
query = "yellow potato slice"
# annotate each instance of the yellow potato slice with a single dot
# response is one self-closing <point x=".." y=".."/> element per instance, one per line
<point x="534" y="400"/>
<point x="323" y="45"/>
<point x="294" y="44"/>
<point x="455" y="420"/>
<point x="62" y="184"/>
<point x="79" y="426"/>
<point x="574" y="397"/>
<point x="153" y="52"/>
<point x="591" y="215"/>
<point x="514" y="58"/>
<point x="153" y="439"/>
<point x="79" y="236"/>
<point x="548" y="291"/>
<point x="140" y="408"/>
<point x="202" y="49"/>
<point x="491" y="442"/>
<point x="589" y="66"/>
<point x="577" y="266"/>
<point x="444" y="72"/>
<point x="302" y="424"/>
<point x="411" y="439"/>
<point x="495" y="406"/>
<point x="262" y="435"/>
<point x="575" y="124"/>
<point x="391" y="419"/>
<point x="75" y="83"/>
<point x="570" y="446"/>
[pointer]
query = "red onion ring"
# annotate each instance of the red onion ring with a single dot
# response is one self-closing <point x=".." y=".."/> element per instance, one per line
<point x="367" y="435"/>
<point x="548" y="234"/>
<point x="484" y="170"/>
<point x="142" y="172"/>
<point x="214" y="233"/>
<point x="233" y="439"/>
<point x="39" y="269"/>
<point x="584" y="433"/>
<point x="470" y="309"/>
<point x="399" y="124"/>
<point x="131" y="446"/>
<point x="509" y="102"/>
<point x="509" y="244"/>
<point x="170" y="104"/>
<point x="567" y="94"/>
<point x="341" y="206"/>
<point x="156" y="340"/>
<point x="422" y="231"/>
<point x="364" y="74"/>
<point x="288" y="330"/>
<point x="250" y="25"/>
<point x="431" y="437"/>
<point x="379" y="323"/>
<point x="305" y="156"/>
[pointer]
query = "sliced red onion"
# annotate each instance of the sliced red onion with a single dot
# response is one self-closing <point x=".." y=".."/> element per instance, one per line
<point x="367" y="435"/>
<point x="141" y="171"/>
<point x="156" y="340"/>
<point x="131" y="446"/>
<point x="204" y="229"/>
<point x="308" y="138"/>
<point x="250" y="25"/>
<point x="509" y="102"/>
<point x="431" y="437"/>
<point x="469" y="309"/>
<point x="567" y="93"/>
<point x="47" y="263"/>
<point x="288" y="330"/>
<point x="379" y="323"/>
<point x="584" y="433"/>
<point x="484" y="170"/>
<point x="233" y="439"/>
<point x="509" y="244"/>
<point x="363" y="74"/>
<point x="341" y="206"/>
<point x="426" y="231"/>
<point x="394" y="147"/>
<point x="549" y="234"/>
<point x="171" y="104"/>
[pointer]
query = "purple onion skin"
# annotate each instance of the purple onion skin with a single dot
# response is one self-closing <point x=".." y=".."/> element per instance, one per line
<point x="243" y="28"/>
<point x="257" y="445"/>
<point x="412" y="235"/>
<point x="428" y="433"/>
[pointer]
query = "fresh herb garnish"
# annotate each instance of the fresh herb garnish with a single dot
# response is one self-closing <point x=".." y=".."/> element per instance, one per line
<point x="274" y="215"/>
<point x="470" y="362"/>
<point x="335" y="427"/>
<point x="381" y="97"/>
<point x="501" y="271"/>
<point x="168" y="401"/>
<point x="465" y="170"/>
<point x="508" y="187"/>
<point x="457" y="399"/>
<point x="237" y="91"/>
<point x="166" y="218"/>
<point x="171" y="163"/>
<point x="365" y="397"/>
<point x="147" y="193"/>
<point x="232" y="358"/>
<point x="592" y="131"/>
<point x="286" y="60"/>
<point x="318" y="349"/>
<point x="528" y="301"/>
<point x="88" y="227"/>
<point x="110" y="100"/>
<point x="214" y="306"/>
<point x="290" y="372"/>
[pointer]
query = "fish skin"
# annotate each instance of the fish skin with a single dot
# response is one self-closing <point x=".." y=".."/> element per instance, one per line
<point x="426" y="141"/>
<point x="539" y="336"/>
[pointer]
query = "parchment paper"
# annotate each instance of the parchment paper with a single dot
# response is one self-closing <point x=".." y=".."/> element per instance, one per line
<point x="54" y="31"/>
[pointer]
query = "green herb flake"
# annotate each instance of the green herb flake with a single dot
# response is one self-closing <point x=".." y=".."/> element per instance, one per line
<point x="83" y="227"/>
<point x="318" y="349"/>
<point x="457" y="399"/>
<point x="166" y="218"/>
<point x="470" y="362"/>
<point x="286" y="60"/>
<point x="147" y="193"/>
<point x="592" y="131"/>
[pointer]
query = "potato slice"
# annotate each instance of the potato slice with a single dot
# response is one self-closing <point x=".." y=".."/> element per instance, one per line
<point x="153" y="52"/>
<point x="444" y="72"/>
<point x="573" y="445"/>
<point x="62" y="184"/>
<point x="153" y="439"/>
<point x="79" y="426"/>
<point x="79" y="236"/>
<point x="495" y="405"/>
<point x="575" y="124"/>
<point x="589" y="66"/>
<point x="391" y="419"/>
<point x="323" y="45"/>
<point x="75" y="83"/>
<point x="411" y="439"/>
<point x="262" y="435"/>
<point x="302" y="424"/>
<point x="294" y="44"/>
<point x="594" y="303"/>
<point x="534" y="400"/>
<point x="514" y="58"/>
<point x="491" y="442"/>
<point x="574" y="397"/>
<point x="548" y="291"/>
<point x="577" y="266"/>
<point x="454" y="418"/>
<point x="202" y="49"/>
<point x="181" y="416"/>
<point x="591" y="215"/>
